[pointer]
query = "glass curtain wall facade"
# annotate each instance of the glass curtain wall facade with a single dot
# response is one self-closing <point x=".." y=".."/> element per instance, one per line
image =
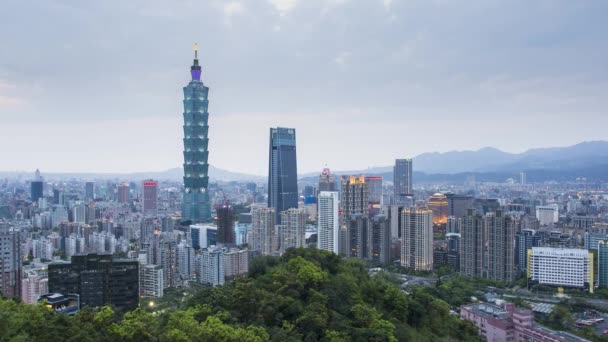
<point x="195" y="206"/>
<point x="282" y="171"/>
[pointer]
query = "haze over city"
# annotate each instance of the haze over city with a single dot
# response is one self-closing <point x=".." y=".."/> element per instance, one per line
<point x="97" y="86"/>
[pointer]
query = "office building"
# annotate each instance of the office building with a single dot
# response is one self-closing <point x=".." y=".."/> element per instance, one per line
<point x="37" y="187"/>
<point x="583" y="222"/>
<point x="547" y="214"/>
<point x="122" y="193"/>
<point x="212" y="266"/>
<point x="379" y="240"/>
<point x="417" y="239"/>
<point x="453" y="224"/>
<point x="453" y="253"/>
<point x="328" y="223"/>
<point x="292" y="230"/>
<point x="508" y="323"/>
<point x="524" y="240"/>
<point x="282" y="171"/>
<point x="89" y="191"/>
<point x="263" y="230"/>
<point x="374" y="185"/>
<point x="150" y="195"/>
<point x="10" y="263"/>
<point x="243" y="228"/>
<point x="58" y="197"/>
<point x="203" y="235"/>
<point x="402" y="179"/>
<point x="98" y="279"/>
<point x="327" y="181"/>
<point x="438" y="203"/>
<point x="196" y="207"/>
<point x="561" y="267"/>
<point x="79" y="212"/>
<point x="522" y="178"/>
<point x="394" y="214"/>
<point x="225" y="225"/>
<point x="458" y="204"/>
<point x="151" y="281"/>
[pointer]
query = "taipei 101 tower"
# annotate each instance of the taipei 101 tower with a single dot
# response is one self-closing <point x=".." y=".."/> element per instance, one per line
<point x="195" y="205"/>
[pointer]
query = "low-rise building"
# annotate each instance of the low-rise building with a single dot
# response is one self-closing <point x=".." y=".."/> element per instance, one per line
<point x="508" y="323"/>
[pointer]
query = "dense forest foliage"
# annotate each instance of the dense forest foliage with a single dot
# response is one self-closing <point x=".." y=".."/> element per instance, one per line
<point x="305" y="295"/>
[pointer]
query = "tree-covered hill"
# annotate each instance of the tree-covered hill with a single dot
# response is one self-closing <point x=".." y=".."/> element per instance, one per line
<point x="305" y="295"/>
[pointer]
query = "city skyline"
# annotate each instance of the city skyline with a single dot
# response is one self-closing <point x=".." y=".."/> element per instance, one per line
<point x="440" y="77"/>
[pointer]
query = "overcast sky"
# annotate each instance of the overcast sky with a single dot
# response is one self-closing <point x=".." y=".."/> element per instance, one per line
<point x="97" y="85"/>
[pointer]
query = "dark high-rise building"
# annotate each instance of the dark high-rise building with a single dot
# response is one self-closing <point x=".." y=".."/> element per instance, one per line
<point x="98" y="279"/>
<point x="524" y="240"/>
<point x="357" y="236"/>
<point x="379" y="240"/>
<point x="195" y="205"/>
<point x="453" y="257"/>
<point x="58" y="197"/>
<point x="225" y="225"/>
<point x="37" y="187"/>
<point x="458" y="204"/>
<point x="309" y="191"/>
<point x="602" y="267"/>
<point x="150" y="195"/>
<point x="10" y="263"/>
<point x="402" y="179"/>
<point x="89" y="191"/>
<point x="327" y="181"/>
<point x="36" y="190"/>
<point x="282" y="171"/>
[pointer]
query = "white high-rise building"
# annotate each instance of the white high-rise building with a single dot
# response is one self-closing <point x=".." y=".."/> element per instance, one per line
<point x="293" y="229"/>
<point x="151" y="281"/>
<point x="263" y="230"/>
<point x="561" y="267"/>
<point x="548" y="214"/>
<point x="42" y="249"/>
<point x="417" y="238"/>
<point x="328" y="225"/>
<point x="185" y="260"/>
<point x="212" y="266"/>
<point x="71" y="246"/>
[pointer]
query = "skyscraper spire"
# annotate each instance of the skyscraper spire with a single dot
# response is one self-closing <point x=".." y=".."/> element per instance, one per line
<point x="195" y="70"/>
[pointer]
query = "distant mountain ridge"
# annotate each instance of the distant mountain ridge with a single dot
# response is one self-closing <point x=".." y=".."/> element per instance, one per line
<point x="586" y="159"/>
<point x="215" y="174"/>
<point x="489" y="159"/>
